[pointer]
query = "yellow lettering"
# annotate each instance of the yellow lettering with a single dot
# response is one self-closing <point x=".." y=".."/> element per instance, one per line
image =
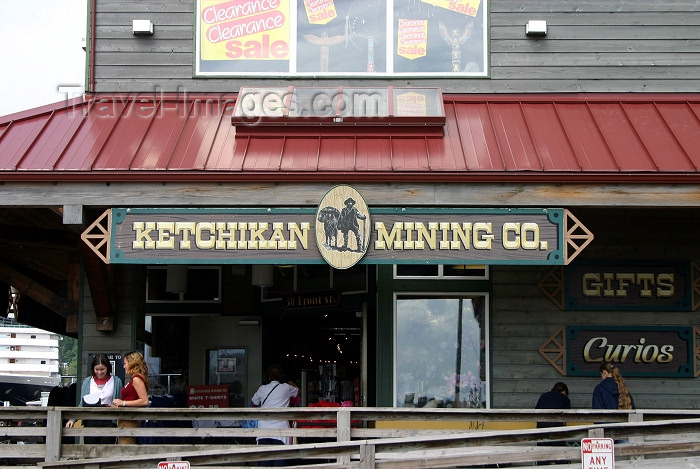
<point x="225" y="235"/>
<point x="208" y="242"/>
<point x="143" y="235"/>
<point x="461" y="233"/>
<point x="277" y="240"/>
<point x="185" y="230"/>
<point x="409" y="243"/>
<point x="165" y="239"/>
<point x="483" y="235"/>
<point x="429" y="235"/>
<point x="385" y="239"/>
<point x="302" y="234"/>
<point x="514" y="242"/>
<point x="665" y="287"/>
<point x="623" y="281"/>
<point x="257" y="240"/>
<point x="530" y="236"/>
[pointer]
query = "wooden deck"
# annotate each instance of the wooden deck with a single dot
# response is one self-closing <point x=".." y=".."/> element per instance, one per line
<point x="361" y="438"/>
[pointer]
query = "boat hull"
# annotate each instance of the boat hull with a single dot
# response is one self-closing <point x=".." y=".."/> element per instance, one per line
<point x="19" y="390"/>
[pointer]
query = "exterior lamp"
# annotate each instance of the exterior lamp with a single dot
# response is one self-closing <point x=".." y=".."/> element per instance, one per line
<point x="536" y="28"/>
<point x="142" y="27"/>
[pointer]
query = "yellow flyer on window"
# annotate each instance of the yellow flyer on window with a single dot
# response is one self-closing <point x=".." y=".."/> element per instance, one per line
<point x="412" y="38"/>
<point x="467" y="7"/>
<point x="244" y="29"/>
<point x="320" y="11"/>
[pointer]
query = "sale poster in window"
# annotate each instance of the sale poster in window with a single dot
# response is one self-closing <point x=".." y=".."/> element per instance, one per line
<point x="357" y="38"/>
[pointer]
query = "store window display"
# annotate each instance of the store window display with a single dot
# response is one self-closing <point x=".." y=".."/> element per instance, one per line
<point x="440" y="351"/>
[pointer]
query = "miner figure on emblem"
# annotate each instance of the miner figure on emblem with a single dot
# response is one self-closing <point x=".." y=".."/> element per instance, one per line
<point x="348" y="222"/>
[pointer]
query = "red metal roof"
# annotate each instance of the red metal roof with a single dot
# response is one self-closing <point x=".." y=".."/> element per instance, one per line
<point x="582" y="137"/>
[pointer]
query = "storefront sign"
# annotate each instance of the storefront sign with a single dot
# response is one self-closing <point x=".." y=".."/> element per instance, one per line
<point x="311" y="299"/>
<point x="650" y="351"/>
<point x="394" y="235"/>
<point x="620" y="286"/>
<point x="208" y="396"/>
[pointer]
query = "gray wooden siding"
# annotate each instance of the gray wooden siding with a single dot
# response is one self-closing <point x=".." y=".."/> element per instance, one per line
<point x="591" y="46"/>
<point x="522" y="318"/>
<point x="522" y="321"/>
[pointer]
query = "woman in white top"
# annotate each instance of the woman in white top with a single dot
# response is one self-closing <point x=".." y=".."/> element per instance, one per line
<point x="98" y="390"/>
<point x="274" y="394"/>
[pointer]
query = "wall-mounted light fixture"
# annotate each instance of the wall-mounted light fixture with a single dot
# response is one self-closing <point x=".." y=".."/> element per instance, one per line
<point x="536" y="28"/>
<point x="176" y="279"/>
<point x="263" y="275"/>
<point x="142" y="27"/>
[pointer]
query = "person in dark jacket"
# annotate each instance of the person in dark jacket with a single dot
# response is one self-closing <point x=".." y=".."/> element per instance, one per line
<point x="612" y="391"/>
<point x="557" y="398"/>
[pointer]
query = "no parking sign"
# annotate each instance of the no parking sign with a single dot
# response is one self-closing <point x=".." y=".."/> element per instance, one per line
<point x="174" y="465"/>
<point x="598" y="453"/>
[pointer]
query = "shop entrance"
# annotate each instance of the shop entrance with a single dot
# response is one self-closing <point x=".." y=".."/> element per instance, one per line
<point x="320" y="351"/>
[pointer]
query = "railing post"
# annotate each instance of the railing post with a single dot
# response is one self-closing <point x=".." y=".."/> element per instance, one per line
<point x="367" y="451"/>
<point x="596" y="433"/>
<point x="343" y="429"/>
<point x="53" y="435"/>
<point x="636" y="418"/>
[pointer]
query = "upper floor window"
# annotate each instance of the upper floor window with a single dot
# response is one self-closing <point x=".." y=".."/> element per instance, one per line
<point x="439" y="271"/>
<point x="341" y="38"/>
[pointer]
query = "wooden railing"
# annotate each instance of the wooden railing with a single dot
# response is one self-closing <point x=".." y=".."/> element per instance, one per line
<point x="343" y="437"/>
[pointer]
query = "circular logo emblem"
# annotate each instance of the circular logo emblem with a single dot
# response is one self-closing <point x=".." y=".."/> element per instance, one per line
<point x="342" y="227"/>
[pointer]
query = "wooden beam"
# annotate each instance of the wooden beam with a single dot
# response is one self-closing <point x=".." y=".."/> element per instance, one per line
<point x="421" y="194"/>
<point x="73" y="293"/>
<point x="73" y="215"/>
<point x="36" y="291"/>
<point x="100" y="283"/>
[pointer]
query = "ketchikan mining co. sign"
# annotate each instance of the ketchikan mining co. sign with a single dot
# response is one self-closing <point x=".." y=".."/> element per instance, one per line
<point x="340" y="231"/>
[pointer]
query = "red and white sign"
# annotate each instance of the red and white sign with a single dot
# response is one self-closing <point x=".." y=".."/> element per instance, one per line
<point x="208" y="396"/>
<point x="598" y="453"/>
<point x="174" y="465"/>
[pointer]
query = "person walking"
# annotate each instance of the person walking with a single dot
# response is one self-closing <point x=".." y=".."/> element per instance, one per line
<point x="612" y="391"/>
<point x="134" y="394"/>
<point x="99" y="390"/>
<point x="275" y="394"/>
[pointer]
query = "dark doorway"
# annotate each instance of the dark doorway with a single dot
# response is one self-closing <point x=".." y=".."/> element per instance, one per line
<point x="323" y="347"/>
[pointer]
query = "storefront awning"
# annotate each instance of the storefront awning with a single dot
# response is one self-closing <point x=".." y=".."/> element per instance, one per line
<point x="645" y="138"/>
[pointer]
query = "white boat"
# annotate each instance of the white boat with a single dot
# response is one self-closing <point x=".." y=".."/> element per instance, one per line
<point x="28" y="363"/>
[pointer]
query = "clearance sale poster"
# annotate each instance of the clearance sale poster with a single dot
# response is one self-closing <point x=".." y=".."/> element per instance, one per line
<point x="335" y="38"/>
<point x="245" y="32"/>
